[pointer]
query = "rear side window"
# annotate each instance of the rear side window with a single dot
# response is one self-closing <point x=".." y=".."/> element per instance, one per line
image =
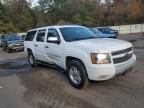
<point x="30" y="36"/>
<point x="41" y="36"/>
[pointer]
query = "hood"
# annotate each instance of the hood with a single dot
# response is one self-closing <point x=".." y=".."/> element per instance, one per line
<point x="113" y="31"/>
<point x="101" y="45"/>
<point x="104" y="35"/>
<point x="15" y="41"/>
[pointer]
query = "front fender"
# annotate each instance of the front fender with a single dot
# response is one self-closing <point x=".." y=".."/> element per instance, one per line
<point x="79" y="54"/>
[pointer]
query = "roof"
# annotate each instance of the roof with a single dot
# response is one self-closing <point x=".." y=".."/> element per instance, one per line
<point x="56" y="26"/>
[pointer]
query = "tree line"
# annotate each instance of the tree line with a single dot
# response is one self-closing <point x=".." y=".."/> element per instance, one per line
<point x="21" y="15"/>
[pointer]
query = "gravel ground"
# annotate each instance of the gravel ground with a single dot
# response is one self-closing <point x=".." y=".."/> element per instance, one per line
<point x="44" y="87"/>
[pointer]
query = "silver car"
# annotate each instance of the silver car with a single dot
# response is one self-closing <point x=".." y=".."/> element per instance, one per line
<point x="0" y="41"/>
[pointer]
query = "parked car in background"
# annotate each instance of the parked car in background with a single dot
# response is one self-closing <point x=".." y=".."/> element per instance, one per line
<point x="22" y="35"/>
<point x="100" y="34"/>
<point x="78" y="51"/>
<point x="12" y="42"/>
<point x="108" y="30"/>
<point x="0" y="41"/>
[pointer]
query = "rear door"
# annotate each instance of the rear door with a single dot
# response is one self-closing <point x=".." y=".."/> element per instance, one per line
<point x="39" y="45"/>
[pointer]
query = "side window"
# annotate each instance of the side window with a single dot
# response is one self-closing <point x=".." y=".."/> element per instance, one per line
<point x="30" y="36"/>
<point x="2" y="37"/>
<point x="41" y="36"/>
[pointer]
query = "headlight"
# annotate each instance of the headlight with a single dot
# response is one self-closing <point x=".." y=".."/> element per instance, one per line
<point x="11" y="45"/>
<point x="101" y="58"/>
<point x="111" y="31"/>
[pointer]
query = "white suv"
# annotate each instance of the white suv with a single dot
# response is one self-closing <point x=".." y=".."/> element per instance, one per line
<point x="78" y="51"/>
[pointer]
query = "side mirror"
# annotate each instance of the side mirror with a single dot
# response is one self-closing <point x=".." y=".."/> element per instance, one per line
<point x="53" y="40"/>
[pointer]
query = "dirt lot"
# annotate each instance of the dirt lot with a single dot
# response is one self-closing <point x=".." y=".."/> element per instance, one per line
<point x="43" y="87"/>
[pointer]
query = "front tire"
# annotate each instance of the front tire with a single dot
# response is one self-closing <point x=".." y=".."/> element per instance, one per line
<point x="32" y="60"/>
<point x="8" y="50"/>
<point x="4" y="48"/>
<point x="76" y="73"/>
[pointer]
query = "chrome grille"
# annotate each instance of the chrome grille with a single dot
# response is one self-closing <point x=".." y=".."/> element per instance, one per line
<point x="18" y="44"/>
<point x="122" y="59"/>
<point x="122" y="51"/>
<point x="126" y="55"/>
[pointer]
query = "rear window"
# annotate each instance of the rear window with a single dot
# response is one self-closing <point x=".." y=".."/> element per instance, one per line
<point x="30" y="36"/>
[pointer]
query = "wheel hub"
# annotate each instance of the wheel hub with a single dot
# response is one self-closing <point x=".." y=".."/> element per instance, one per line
<point x="75" y="75"/>
<point x="31" y="59"/>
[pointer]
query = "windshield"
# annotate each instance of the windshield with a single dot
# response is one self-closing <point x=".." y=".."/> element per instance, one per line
<point x="94" y="30"/>
<point x="106" y="29"/>
<point x="76" y="33"/>
<point x="12" y="37"/>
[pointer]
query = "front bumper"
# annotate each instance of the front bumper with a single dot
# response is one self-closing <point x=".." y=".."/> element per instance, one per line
<point x="102" y="72"/>
<point x="17" y="48"/>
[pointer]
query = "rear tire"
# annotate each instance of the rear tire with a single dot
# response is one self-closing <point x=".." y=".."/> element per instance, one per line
<point x="32" y="59"/>
<point x="77" y="74"/>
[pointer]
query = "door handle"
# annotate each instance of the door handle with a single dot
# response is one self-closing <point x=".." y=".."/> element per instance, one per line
<point x="35" y="45"/>
<point x="46" y="47"/>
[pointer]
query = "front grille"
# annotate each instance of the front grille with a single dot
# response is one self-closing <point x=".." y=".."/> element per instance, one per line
<point x="122" y="59"/>
<point x="18" y="44"/>
<point x="122" y="51"/>
<point x="126" y="55"/>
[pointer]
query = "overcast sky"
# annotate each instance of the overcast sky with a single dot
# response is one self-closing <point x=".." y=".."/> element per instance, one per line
<point x="34" y="2"/>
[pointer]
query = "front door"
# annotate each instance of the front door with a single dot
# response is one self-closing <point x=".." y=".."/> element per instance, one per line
<point x="53" y="49"/>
